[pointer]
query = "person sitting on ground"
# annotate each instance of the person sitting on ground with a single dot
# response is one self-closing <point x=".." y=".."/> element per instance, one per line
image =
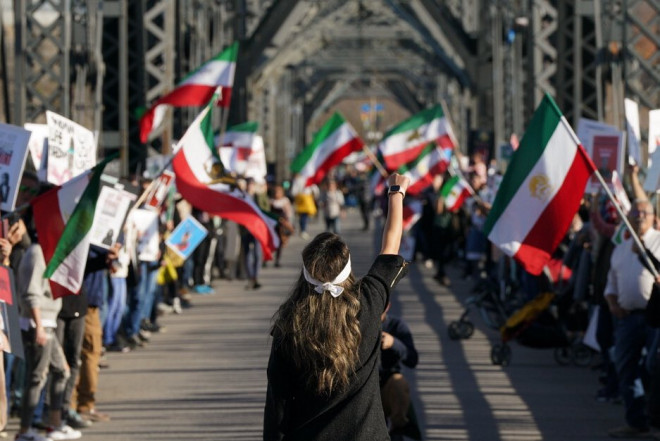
<point x="323" y="367"/>
<point x="397" y="349"/>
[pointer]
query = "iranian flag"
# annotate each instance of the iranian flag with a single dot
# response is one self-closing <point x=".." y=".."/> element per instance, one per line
<point x="540" y="191"/>
<point x="63" y="218"/>
<point x="455" y="191"/>
<point x="195" y="90"/>
<point x="336" y="140"/>
<point x="412" y="212"/>
<point x="194" y="166"/>
<point x="430" y="161"/>
<point x="408" y="139"/>
<point x="242" y="151"/>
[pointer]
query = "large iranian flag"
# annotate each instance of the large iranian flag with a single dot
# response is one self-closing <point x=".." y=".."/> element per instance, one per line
<point x="197" y="182"/>
<point x="336" y="140"/>
<point x="430" y="161"/>
<point x="242" y="151"/>
<point x="405" y="141"/>
<point x="195" y="90"/>
<point x="540" y="191"/>
<point x="63" y="218"/>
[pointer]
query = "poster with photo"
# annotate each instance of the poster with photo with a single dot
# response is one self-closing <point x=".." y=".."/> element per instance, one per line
<point x="590" y="131"/>
<point x="606" y="155"/>
<point x="10" y="337"/>
<point x="71" y="149"/>
<point x="186" y="237"/>
<point x="13" y="153"/>
<point x="146" y="226"/>
<point x="111" y="210"/>
<point x="38" y="147"/>
<point x="160" y="190"/>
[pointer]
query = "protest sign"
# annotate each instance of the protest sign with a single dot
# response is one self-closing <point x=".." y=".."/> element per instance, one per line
<point x="159" y="190"/>
<point x="604" y="144"/>
<point x="186" y="237"/>
<point x="38" y="147"/>
<point x="652" y="181"/>
<point x="10" y="337"/>
<point x="633" y="132"/>
<point x="13" y="152"/>
<point x="71" y="149"/>
<point x="146" y="225"/>
<point x="112" y="208"/>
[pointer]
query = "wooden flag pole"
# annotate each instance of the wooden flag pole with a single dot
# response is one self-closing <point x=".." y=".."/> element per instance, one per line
<point x="375" y="161"/>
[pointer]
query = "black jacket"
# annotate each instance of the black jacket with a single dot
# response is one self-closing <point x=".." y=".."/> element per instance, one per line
<point x="294" y="413"/>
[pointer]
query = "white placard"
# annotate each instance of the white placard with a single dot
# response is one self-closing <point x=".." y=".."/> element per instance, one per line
<point x="38" y="147"/>
<point x="654" y="133"/>
<point x="13" y="152"/>
<point x="587" y="131"/>
<point x="633" y="132"/>
<point x="71" y="149"/>
<point x="146" y="224"/>
<point x="111" y="210"/>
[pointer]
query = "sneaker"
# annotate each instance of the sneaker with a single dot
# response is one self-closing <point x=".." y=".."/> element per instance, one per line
<point x="63" y="432"/>
<point x="630" y="432"/>
<point x="73" y="419"/>
<point x="176" y="306"/>
<point x="304" y="235"/>
<point x="31" y="436"/>
<point x="143" y="335"/>
<point x="93" y="415"/>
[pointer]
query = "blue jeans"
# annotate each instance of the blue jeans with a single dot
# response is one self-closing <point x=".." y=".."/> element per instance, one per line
<point x="116" y="306"/>
<point x="148" y="284"/>
<point x="302" y="220"/>
<point x="253" y="255"/>
<point x="631" y="335"/>
<point x="137" y="299"/>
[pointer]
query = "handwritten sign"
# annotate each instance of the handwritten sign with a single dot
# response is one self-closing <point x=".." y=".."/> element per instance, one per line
<point x="71" y="149"/>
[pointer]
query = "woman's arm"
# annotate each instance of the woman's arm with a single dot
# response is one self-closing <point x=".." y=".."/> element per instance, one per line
<point x="394" y="222"/>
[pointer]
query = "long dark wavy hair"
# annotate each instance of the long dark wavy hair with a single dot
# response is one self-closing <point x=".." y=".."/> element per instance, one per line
<point x="321" y="333"/>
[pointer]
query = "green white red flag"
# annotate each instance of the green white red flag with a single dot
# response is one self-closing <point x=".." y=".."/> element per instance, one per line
<point x="455" y="191"/>
<point x="242" y="151"/>
<point x="429" y="162"/>
<point x="541" y="190"/>
<point x="197" y="180"/>
<point x="333" y="142"/>
<point x="195" y="90"/>
<point x="412" y="212"/>
<point x="63" y="218"/>
<point x="405" y="141"/>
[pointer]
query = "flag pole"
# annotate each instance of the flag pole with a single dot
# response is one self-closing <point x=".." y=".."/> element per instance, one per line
<point x="616" y="204"/>
<point x="375" y="160"/>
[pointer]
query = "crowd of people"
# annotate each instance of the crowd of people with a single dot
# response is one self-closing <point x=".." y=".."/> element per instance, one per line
<point x="54" y="389"/>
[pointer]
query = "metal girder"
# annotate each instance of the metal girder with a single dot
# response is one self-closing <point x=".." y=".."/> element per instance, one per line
<point x="405" y="96"/>
<point x="42" y="59"/>
<point x="115" y="84"/>
<point x="544" y="52"/>
<point x="642" y="44"/>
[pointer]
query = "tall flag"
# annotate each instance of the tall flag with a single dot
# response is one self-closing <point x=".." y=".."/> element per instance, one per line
<point x="430" y="161"/>
<point x="541" y="190"/>
<point x="196" y="89"/>
<point x="63" y="218"/>
<point x="242" y="151"/>
<point x="455" y="191"/>
<point x="195" y="166"/>
<point x="336" y="140"/>
<point x="405" y="141"/>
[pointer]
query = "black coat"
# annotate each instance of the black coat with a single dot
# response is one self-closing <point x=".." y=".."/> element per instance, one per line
<point x="294" y="413"/>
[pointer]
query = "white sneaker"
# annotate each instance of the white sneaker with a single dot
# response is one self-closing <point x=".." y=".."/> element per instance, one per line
<point x="64" y="432"/>
<point x="31" y="436"/>
<point x="176" y="306"/>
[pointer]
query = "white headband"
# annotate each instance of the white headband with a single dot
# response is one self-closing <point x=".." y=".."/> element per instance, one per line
<point x="331" y="287"/>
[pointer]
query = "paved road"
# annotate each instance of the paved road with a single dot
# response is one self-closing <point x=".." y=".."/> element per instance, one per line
<point x="204" y="378"/>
